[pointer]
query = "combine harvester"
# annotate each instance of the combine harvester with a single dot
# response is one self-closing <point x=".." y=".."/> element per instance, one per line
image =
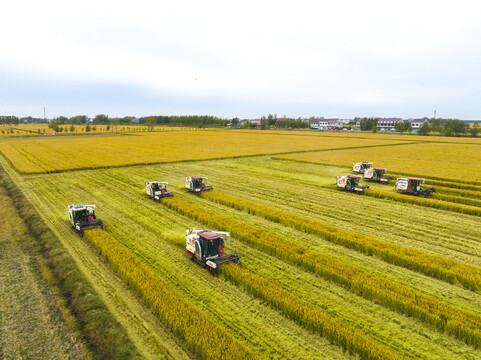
<point x="197" y="184"/>
<point x="206" y="247"/>
<point x="157" y="190"/>
<point x="350" y="183"/>
<point x="82" y="217"/>
<point x="377" y="175"/>
<point x="412" y="186"/>
<point x="360" y="168"/>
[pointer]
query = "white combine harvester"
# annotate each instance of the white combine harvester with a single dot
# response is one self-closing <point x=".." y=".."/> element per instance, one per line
<point x="197" y="184"/>
<point x="157" y="190"/>
<point x="376" y="175"/>
<point x="361" y="167"/>
<point x="206" y="247"/>
<point x="350" y="183"/>
<point x="82" y="217"/>
<point x="412" y="186"/>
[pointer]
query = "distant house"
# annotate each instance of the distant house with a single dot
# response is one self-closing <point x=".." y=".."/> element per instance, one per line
<point x="314" y="123"/>
<point x="417" y="123"/>
<point x="388" y="124"/>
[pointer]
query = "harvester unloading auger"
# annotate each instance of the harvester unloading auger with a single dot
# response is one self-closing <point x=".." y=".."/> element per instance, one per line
<point x="207" y="248"/>
<point x="412" y="186"/>
<point x="82" y="217"/>
<point x="197" y="184"/>
<point x="157" y="190"/>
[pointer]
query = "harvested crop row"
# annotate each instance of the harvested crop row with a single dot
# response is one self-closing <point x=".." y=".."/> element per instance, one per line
<point x="316" y="319"/>
<point x="182" y="317"/>
<point x="445" y="269"/>
<point x="463" y="324"/>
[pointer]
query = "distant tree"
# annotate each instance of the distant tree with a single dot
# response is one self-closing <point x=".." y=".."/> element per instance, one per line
<point x="264" y="122"/>
<point x="150" y="122"/>
<point x="72" y="128"/>
<point x="271" y="120"/>
<point x="234" y="122"/>
<point x="107" y="128"/>
<point x="474" y="129"/>
<point x="424" y="129"/>
<point x="403" y="126"/>
<point x="62" y="120"/>
<point x="101" y="119"/>
<point x="374" y="129"/>
<point x="87" y="128"/>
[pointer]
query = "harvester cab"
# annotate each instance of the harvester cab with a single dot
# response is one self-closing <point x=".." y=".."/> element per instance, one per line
<point x="351" y="183"/>
<point x="361" y="167"/>
<point x="412" y="186"/>
<point x="206" y="247"/>
<point x="377" y="175"/>
<point x="157" y="190"/>
<point x="197" y="184"/>
<point x="82" y="217"/>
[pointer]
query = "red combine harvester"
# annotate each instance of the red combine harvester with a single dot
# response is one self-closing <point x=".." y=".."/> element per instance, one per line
<point x="206" y="247"/>
<point x="157" y="190"/>
<point x="82" y="217"/>
<point x="377" y="175"/>
<point x="197" y="184"/>
<point x="412" y="186"/>
<point x="351" y="183"/>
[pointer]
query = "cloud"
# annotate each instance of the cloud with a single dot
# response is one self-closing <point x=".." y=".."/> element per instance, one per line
<point x="356" y="56"/>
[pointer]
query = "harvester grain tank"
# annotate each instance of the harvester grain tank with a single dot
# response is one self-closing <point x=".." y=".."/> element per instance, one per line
<point x="197" y="184"/>
<point x="350" y="183"/>
<point x="206" y="247"/>
<point x="361" y="167"/>
<point x="82" y="217"/>
<point x="412" y="186"/>
<point x="157" y="190"/>
<point x="377" y="175"/>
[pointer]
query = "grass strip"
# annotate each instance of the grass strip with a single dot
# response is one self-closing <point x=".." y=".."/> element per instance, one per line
<point x="104" y="336"/>
<point x="184" y="319"/>
<point x="315" y="319"/>
<point x="432" y="265"/>
<point x="463" y="324"/>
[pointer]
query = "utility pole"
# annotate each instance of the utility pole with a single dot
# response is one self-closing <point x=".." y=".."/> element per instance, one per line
<point x="435" y="114"/>
<point x="44" y="116"/>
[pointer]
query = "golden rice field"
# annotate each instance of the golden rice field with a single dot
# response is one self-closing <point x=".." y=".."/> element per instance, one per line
<point x="435" y="160"/>
<point x="41" y="129"/>
<point x="325" y="274"/>
<point x="65" y="153"/>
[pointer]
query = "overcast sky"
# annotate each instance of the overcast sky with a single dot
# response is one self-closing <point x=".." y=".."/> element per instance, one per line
<point x="245" y="58"/>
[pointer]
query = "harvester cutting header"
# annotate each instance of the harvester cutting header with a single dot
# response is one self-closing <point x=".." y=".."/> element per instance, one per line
<point x="207" y="248"/>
